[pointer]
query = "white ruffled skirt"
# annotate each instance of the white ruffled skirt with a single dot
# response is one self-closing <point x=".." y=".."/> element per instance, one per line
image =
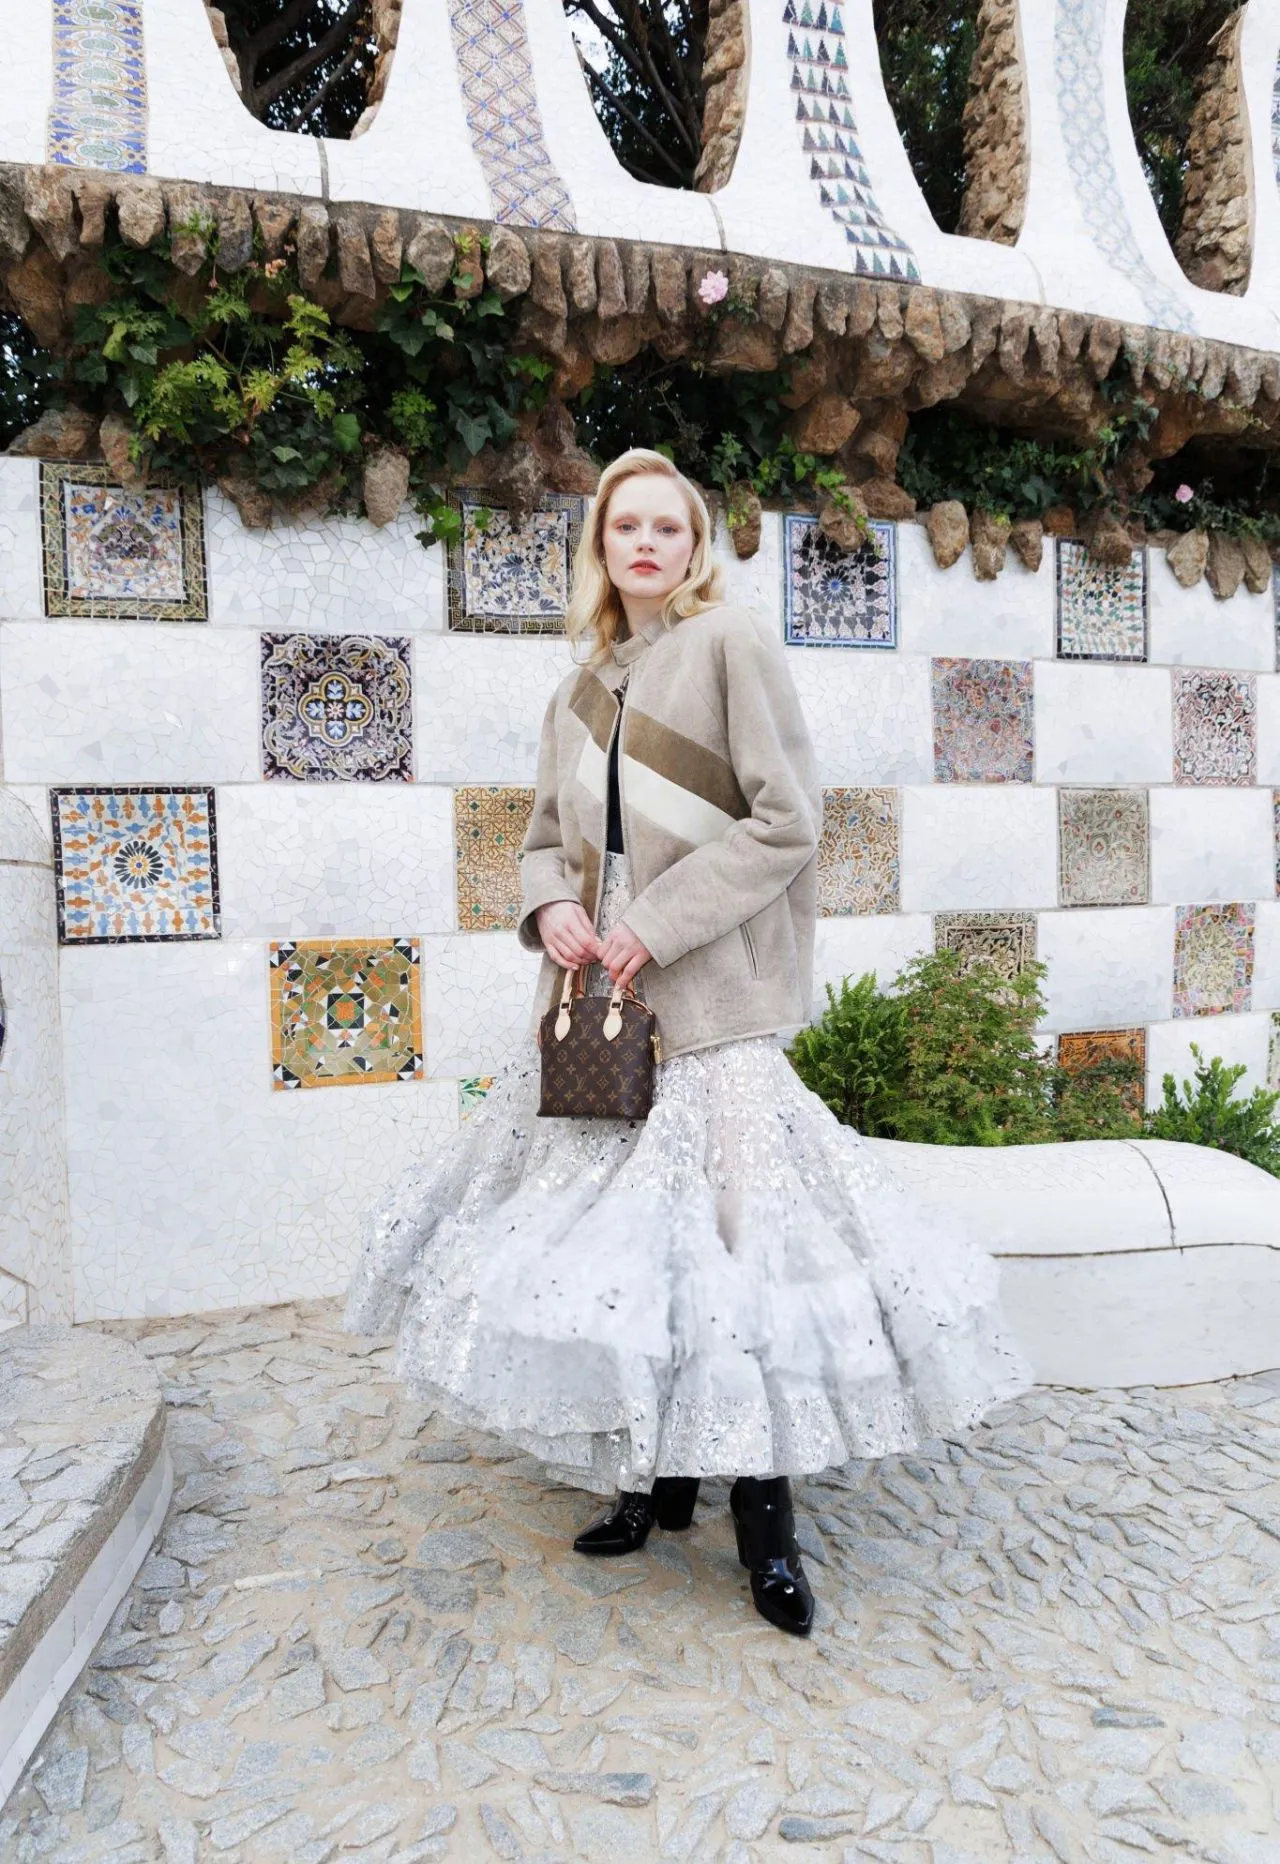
<point x="734" y="1286"/>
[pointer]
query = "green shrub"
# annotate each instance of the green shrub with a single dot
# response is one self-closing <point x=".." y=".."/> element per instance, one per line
<point x="948" y="1056"/>
<point x="1209" y="1115"/>
<point x="855" y="1057"/>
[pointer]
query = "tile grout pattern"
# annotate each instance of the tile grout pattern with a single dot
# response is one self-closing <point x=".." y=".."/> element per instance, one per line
<point x="362" y="1632"/>
<point x="503" y="115"/>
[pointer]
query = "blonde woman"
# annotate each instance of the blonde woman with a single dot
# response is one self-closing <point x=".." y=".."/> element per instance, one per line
<point x="731" y="1287"/>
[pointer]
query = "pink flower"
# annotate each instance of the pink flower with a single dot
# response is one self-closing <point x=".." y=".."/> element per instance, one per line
<point x="1184" y="495"/>
<point x="714" y="287"/>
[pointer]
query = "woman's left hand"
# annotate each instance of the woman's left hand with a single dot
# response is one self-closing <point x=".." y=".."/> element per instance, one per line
<point x="622" y="954"/>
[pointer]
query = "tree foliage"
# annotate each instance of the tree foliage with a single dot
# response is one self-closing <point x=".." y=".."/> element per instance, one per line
<point x="305" y="65"/>
<point x="1167" y="44"/>
<point x="649" y="89"/>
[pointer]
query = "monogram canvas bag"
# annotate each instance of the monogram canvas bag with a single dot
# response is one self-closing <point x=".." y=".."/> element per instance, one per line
<point x="598" y="1054"/>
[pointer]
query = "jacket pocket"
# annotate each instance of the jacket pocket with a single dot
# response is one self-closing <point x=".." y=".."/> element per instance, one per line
<point x="751" y="950"/>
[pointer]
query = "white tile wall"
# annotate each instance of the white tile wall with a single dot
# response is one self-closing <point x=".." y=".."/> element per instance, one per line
<point x="1109" y="967"/>
<point x="128" y="702"/>
<point x="1211" y="844"/>
<point x="868" y="713"/>
<point x="1097" y="723"/>
<point x="193" y="1183"/>
<point x="978" y="845"/>
<point x="881" y="943"/>
<point x="1234" y="1038"/>
<point x="21" y="577"/>
<point x="477" y="1001"/>
<point x="303" y="860"/>
<point x="1191" y="628"/>
<point x="951" y="613"/>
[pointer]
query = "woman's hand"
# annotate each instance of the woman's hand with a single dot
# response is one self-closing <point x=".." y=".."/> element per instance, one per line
<point x="567" y="934"/>
<point x="622" y="954"/>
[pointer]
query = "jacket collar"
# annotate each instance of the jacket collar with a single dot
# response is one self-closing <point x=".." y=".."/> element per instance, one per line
<point x="624" y="652"/>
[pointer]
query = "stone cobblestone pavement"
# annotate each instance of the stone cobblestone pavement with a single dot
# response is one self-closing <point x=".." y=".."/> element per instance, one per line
<point x="363" y="1636"/>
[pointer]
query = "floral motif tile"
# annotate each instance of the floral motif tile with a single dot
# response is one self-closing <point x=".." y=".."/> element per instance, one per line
<point x="489" y="825"/>
<point x="118" y="555"/>
<point x="1100" y="1050"/>
<point x="983" y="730"/>
<point x="471" y="1091"/>
<point x="135" y="865"/>
<point x="819" y="70"/>
<point x="336" y="708"/>
<point x="510" y="574"/>
<point x="496" y="73"/>
<point x="1215" y="727"/>
<point x="1212" y="959"/>
<point x="858" y="855"/>
<point x="345" y="1012"/>
<point x="1004" y="940"/>
<point x="98" y="115"/>
<point x="839" y="598"/>
<point x="1101" y="607"/>
<point x="1103" y="847"/>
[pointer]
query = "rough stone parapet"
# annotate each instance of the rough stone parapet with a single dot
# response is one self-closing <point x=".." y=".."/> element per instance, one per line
<point x="724" y="109"/>
<point x="996" y="154"/>
<point x="1215" y="240"/>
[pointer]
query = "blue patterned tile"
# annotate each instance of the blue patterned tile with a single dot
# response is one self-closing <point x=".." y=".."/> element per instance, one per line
<point x="496" y="71"/>
<point x="509" y="573"/>
<point x="98" y="116"/>
<point x="839" y="598"/>
<point x="135" y="865"/>
<point x="819" y="65"/>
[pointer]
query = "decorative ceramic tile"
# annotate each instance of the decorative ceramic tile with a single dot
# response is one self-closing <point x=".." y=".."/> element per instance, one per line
<point x="119" y="555"/>
<point x="1089" y="1050"/>
<point x="471" y="1091"/>
<point x="345" y="1011"/>
<point x="509" y="574"/>
<point x="1080" y="79"/>
<point x="1104" y="844"/>
<point x="983" y="721"/>
<point x="819" y="66"/>
<point x="135" y="864"/>
<point x="1006" y="941"/>
<point x="839" y="598"/>
<point x="1215" y="726"/>
<point x="98" y="116"/>
<point x="1212" y="959"/>
<point x="336" y="708"/>
<point x="859" y="851"/>
<point x="496" y="72"/>
<point x="489" y="825"/>
<point x="1101" y="607"/>
<point x="1273" y="1053"/>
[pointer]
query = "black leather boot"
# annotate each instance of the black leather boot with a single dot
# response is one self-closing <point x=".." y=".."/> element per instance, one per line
<point x="766" y="1529"/>
<point x="625" y="1528"/>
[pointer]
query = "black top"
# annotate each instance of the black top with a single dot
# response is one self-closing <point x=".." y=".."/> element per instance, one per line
<point x="613" y="837"/>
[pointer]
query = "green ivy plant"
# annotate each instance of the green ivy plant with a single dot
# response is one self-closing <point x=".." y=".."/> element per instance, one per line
<point x="242" y="374"/>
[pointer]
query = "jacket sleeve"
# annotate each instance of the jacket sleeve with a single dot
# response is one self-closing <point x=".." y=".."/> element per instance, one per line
<point x="542" y="862"/>
<point x="726" y="881"/>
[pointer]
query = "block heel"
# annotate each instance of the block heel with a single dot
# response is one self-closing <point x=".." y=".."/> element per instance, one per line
<point x="673" y="1502"/>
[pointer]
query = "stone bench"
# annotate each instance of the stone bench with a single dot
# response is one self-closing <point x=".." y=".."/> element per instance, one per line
<point x="1122" y="1262"/>
<point x="85" y="1480"/>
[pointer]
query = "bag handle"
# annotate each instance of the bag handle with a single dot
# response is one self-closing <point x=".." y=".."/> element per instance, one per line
<point x="574" y="987"/>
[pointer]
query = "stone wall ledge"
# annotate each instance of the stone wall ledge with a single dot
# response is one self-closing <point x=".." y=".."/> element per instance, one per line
<point x="877" y="347"/>
<point x="85" y="1480"/>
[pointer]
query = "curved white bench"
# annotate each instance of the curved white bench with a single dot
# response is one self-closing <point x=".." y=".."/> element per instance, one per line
<point x="85" y="1481"/>
<point x="1123" y="1262"/>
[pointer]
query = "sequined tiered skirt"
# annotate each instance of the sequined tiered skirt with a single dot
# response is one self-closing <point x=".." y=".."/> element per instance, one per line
<point x="734" y="1286"/>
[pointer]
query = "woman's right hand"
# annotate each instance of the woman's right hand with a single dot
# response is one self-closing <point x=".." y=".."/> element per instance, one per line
<point x="567" y="934"/>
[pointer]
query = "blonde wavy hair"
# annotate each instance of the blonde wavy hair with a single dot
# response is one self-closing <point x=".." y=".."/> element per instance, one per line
<point x="595" y="609"/>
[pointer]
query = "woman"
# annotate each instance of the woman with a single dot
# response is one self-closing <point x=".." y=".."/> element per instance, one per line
<point x="731" y="1286"/>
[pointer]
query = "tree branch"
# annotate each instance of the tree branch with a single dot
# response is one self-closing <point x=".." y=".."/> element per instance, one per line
<point x="305" y="64"/>
<point x="269" y="35"/>
<point x="321" y="91"/>
<point x="615" y="103"/>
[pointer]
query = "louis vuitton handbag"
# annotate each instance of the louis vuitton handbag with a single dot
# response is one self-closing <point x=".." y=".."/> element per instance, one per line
<point x="598" y="1054"/>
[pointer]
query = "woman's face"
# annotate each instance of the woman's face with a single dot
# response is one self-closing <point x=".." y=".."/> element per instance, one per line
<point x="648" y="540"/>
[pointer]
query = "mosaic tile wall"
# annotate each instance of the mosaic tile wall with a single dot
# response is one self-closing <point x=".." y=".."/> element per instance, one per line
<point x="284" y="833"/>
<point x="98" y="117"/>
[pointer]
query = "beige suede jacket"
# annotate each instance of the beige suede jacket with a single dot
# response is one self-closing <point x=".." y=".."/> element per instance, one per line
<point x="721" y="814"/>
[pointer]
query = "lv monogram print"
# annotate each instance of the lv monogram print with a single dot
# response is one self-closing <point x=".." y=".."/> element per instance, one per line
<point x="586" y="1077"/>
